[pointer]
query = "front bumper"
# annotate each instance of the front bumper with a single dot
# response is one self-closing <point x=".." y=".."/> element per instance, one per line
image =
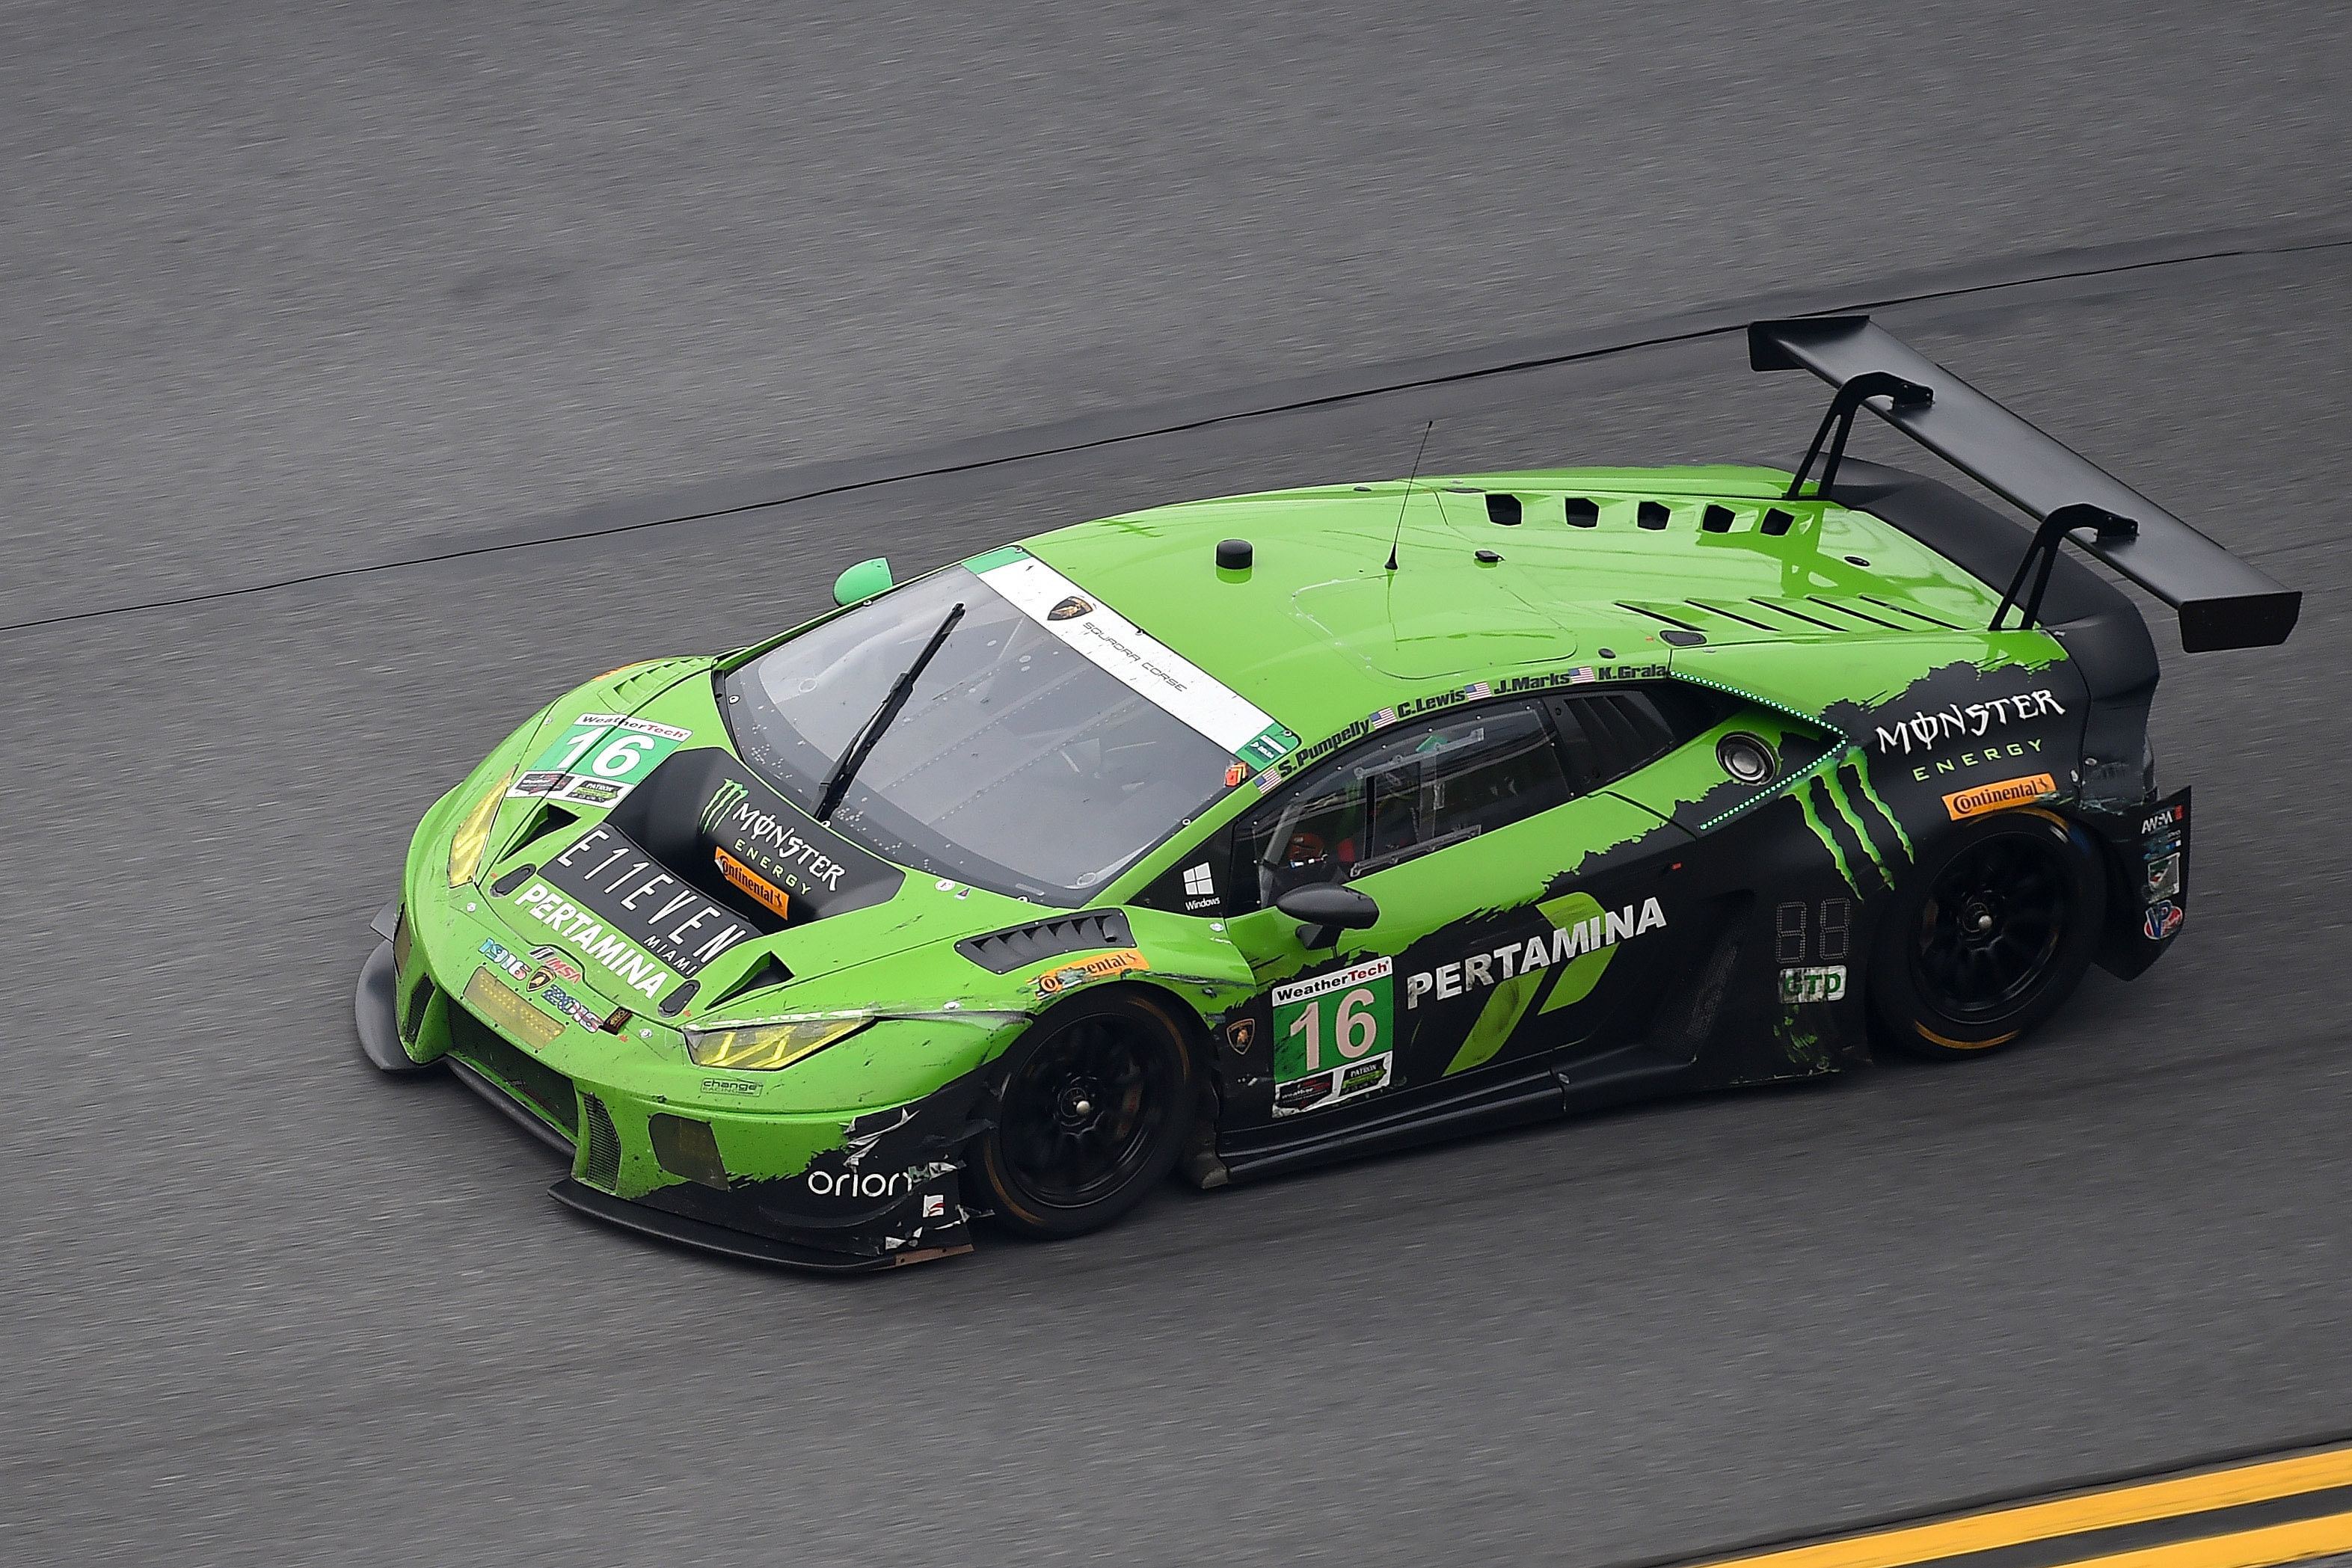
<point x="877" y="1189"/>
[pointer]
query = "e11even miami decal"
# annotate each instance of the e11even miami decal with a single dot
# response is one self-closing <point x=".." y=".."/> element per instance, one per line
<point x="606" y="897"/>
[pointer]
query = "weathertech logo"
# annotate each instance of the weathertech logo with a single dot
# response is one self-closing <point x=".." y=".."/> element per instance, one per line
<point x="1985" y="798"/>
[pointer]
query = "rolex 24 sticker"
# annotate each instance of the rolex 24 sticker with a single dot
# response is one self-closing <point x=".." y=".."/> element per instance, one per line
<point x="598" y="759"/>
<point x="1331" y="1038"/>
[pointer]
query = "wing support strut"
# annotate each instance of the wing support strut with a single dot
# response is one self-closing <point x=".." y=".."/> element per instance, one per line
<point x="2223" y="602"/>
<point x="1841" y="410"/>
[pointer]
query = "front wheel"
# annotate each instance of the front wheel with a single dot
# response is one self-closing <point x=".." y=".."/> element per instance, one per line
<point x="1096" y="1100"/>
<point x="1989" y="936"/>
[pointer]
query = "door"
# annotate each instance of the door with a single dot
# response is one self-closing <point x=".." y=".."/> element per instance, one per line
<point x="1491" y="952"/>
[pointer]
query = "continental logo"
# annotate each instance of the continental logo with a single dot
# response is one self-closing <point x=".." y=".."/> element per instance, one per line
<point x="1101" y="967"/>
<point x="1965" y="803"/>
<point x="765" y="894"/>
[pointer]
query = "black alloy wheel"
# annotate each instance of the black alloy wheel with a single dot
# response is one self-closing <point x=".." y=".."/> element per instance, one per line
<point x="1992" y="933"/>
<point x="1096" y="1100"/>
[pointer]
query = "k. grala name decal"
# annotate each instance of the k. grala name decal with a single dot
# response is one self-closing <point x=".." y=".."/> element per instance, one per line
<point x="606" y="897"/>
<point x="1925" y="730"/>
<point x="1483" y="969"/>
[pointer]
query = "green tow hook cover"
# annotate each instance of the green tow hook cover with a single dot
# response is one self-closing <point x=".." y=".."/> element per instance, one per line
<point x="863" y="581"/>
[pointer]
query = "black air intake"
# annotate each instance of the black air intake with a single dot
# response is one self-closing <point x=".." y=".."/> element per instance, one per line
<point x="1001" y="952"/>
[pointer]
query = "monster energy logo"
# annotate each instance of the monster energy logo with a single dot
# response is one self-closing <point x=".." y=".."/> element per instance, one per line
<point x="1854" y="824"/>
<point x="729" y="793"/>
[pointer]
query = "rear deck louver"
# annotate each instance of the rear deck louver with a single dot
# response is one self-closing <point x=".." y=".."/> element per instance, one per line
<point x="1001" y="952"/>
<point x="1582" y="513"/>
<point x="1503" y="510"/>
<point x="1776" y="522"/>
<point x="1653" y="514"/>
<point x="1717" y="520"/>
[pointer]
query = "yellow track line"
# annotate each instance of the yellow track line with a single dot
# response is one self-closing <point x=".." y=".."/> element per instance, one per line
<point x="2248" y="1549"/>
<point x="2072" y="1515"/>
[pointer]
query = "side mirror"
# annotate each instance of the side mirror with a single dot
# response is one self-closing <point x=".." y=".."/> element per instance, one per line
<point x="1324" y="909"/>
<point x="863" y="581"/>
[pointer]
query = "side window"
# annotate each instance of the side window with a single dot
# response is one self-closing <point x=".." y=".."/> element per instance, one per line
<point x="1398" y="796"/>
<point x="1608" y="735"/>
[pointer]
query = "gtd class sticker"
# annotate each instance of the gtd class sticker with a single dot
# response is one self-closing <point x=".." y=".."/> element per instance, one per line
<point x="598" y="759"/>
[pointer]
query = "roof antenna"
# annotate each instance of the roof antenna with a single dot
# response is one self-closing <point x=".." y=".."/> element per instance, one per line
<point x="1408" y="491"/>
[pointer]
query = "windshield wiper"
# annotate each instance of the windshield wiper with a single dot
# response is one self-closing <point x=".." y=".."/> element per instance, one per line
<point x="855" y="757"/>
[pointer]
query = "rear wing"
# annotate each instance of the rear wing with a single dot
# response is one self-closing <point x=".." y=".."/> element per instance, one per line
<point x="2223" y="602"/>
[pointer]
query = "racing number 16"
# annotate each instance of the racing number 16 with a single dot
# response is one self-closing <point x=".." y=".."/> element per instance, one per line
<point x="1355" y="1028"/>
<point x="615" y="758"/>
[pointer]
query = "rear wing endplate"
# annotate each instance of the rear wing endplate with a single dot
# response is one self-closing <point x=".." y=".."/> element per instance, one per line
<point x="2223" y="602"/>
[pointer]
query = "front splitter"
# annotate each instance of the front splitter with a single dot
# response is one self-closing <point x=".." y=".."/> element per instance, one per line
<point x="738" y="1244"/>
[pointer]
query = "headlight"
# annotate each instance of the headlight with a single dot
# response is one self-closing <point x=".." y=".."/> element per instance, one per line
<point x="473" y="834"/>
<point x="764" y="1047"/>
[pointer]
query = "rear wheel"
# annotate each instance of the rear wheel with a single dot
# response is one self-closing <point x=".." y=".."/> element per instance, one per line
<point x="1989" y="936"/>
<point x="1095" y="1103"/>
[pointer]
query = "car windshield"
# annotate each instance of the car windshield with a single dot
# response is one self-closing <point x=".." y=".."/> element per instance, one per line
<point x="1017" y="764"/>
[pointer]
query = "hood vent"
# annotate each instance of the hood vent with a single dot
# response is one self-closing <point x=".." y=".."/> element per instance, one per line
<point x="770" y="971"/>
<point x="1001" y="952"/>
<point x="643" y="685"/>
<point x="547" y="819"/>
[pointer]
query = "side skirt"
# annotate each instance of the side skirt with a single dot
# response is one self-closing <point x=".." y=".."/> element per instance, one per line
<point x="1533" y="1093"/>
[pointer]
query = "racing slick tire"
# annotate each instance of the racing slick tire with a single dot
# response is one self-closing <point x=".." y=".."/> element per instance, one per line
<point x="1989" y="936"/>
<point x="1094" y="1106"/>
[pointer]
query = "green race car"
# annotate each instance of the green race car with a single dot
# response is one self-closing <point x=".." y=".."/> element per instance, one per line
<point x="1236" y="836"/>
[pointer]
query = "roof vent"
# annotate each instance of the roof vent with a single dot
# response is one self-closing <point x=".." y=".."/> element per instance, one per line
<point x="1776" y="522"/>
<point x="1653" y="514"/>
<point x="1582" y="513"/>
<point x="1503" y="510"/>
<point x="1718" y="521"/>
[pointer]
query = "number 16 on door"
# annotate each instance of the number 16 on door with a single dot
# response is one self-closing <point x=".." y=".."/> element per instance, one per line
<point x="1331" y="1036"/>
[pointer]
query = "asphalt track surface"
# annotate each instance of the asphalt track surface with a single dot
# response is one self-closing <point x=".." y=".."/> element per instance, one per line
<point x="262" y="1306"/>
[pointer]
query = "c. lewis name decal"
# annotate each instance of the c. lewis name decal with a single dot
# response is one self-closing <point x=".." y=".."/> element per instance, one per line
<point x="1925" y="731"/>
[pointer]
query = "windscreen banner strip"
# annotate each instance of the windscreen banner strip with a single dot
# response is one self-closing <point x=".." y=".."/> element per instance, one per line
<point x="1136" y="660"/>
